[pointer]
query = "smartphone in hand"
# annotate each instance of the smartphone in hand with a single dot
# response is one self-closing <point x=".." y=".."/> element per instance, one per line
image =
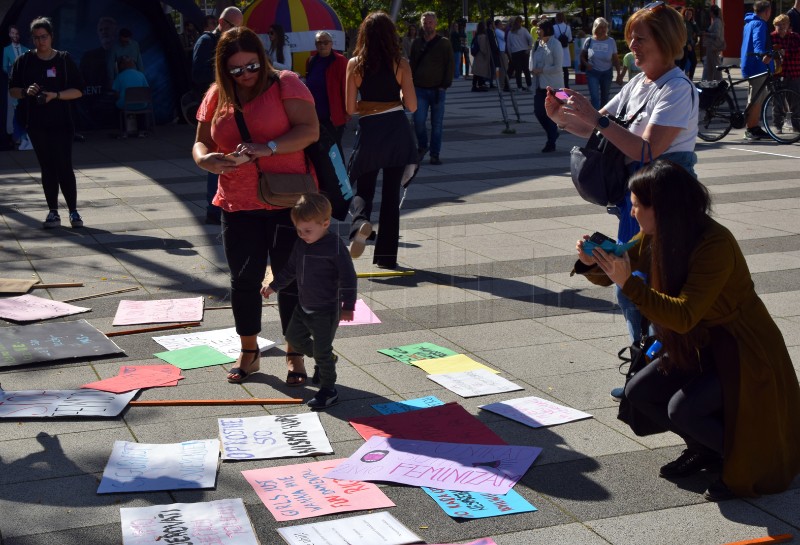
<point x="238" y="158"/>
<point x="560" y="96"/>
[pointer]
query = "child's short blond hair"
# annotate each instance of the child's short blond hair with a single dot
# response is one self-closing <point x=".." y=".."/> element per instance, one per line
<point x="312" y="207"/>
<point x="782" y="18"/>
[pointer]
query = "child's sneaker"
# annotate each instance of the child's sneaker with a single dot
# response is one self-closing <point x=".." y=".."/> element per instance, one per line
<point x="75" y="219"/>
<point x="52" y="221"/>
<point x="326" y="397"/>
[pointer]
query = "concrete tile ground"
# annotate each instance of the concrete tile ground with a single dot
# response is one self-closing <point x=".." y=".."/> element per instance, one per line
<point x="491" y="234"/>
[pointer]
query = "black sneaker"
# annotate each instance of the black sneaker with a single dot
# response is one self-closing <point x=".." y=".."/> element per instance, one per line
<point x="617" y="394"/>
<point x="52" y="220"/>
<point x="689" y="463"/>
<point x="756" y="133"/>
<point x="75" y="219"/>
<point x="326" y="397"/>
<point x="435" y="160"/>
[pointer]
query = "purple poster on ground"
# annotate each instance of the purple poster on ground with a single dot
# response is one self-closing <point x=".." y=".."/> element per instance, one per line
<point x="491" y="469"/>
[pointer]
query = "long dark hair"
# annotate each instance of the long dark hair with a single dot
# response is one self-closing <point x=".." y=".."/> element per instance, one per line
<point x="680" y="205"/>
<point x="235" y="40"/>
<point x="377" y="44"/>
<point x="481" y="28"/>
<point x="277" y="42"/>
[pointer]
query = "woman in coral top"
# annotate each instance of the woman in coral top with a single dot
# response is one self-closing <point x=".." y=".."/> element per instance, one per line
<point x="278" y="111"/>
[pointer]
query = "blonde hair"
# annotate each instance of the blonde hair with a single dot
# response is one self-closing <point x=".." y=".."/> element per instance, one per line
<point x="782" y="18"/>
<point x="312" y="207"/>
<point x="667" y="27"/>
<point x="598" y="22"/>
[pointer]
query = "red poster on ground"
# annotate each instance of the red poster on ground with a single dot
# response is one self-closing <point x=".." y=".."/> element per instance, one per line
<point x="448" y="423"/>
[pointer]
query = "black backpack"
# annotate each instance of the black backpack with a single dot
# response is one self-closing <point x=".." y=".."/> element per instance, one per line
<point x="562" y="38"/>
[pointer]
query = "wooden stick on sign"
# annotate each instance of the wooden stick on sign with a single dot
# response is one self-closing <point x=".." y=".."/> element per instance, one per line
<point x="782" y="538"/>
<point x="207" y="402"/>
<point x="99" y="294"/>
<point x="58" y="285"/>
<point x="154" y="328"/>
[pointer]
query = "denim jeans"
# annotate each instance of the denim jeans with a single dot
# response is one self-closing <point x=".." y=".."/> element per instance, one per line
<point x="599" y="82"/>
<point x="457" y="64"/>
<point x="433" y="99"/>
<point x="550" y="128"/>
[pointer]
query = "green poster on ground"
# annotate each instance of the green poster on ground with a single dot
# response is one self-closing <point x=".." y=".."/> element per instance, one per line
<point x="194" y="357"/>
<point x="415" y="352"/>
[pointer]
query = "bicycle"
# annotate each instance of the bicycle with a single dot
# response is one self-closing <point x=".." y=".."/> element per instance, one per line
<point x="720" y="111"/>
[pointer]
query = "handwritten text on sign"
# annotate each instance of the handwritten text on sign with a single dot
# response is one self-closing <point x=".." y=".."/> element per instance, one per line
<point x="273" y="437"/>
<point x="535" y="411"/>
<point x="137" y="467"/>
<point x="205" y="523"/>
<point x="473" y="505"/>
<point x="61" y="403"/>
<point x="299" y="491"/>
<point x="370" y="529"/>
<point x="453" y="466"/>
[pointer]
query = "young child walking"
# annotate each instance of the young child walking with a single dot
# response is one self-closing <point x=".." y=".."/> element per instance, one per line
<point x="326" y="284"/>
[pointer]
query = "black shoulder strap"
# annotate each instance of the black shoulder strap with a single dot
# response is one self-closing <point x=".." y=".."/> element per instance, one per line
<point x="427" y="47"/>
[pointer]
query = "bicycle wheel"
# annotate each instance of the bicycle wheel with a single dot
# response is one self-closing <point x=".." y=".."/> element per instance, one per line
<point x="715" y="122"/>
<point x="781" y="115"/>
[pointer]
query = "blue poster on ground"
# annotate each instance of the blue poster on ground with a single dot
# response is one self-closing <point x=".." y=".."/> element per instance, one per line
<point x="474" y="505"/>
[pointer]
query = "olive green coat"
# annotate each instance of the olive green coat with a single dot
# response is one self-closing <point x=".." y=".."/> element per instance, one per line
<point x="760" y="388"/>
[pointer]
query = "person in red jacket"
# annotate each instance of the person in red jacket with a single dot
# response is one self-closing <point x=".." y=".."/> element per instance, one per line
<point x="325" y="78"/>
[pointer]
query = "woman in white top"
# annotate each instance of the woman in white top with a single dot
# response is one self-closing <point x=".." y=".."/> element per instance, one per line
<point x="667" y="126"/>
<point x="280" y="53"/>
<point x="545" y="65"/>
<point x="519" y="43"/>
<point x="600" y="57"/>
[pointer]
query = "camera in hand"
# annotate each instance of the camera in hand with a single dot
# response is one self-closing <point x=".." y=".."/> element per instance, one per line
<point x="41" y="98"/>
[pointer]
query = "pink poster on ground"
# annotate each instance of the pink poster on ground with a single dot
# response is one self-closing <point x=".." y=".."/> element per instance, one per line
<point x="448" y="423"/>
<point x="160" y="311"/>
<point x="167" y="370"/>
<point x="492" y="469"/>
<point x="298" y="491"/>
<point x="362" y="315"/>
<point x="132" y="381"/>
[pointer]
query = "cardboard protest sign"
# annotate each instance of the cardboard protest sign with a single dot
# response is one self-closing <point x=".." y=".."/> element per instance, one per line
<point x="56" y="341"/>
<point x="220" y="521"/>
<point x="419" y="351"/>
<point x="62" y="403"/>
<point x="396" y="407"/>
<point x="369" y="529"/>
<point x="195" y="357"/>
<point x="15" y="285"/>
<point x="225" y="340"/>
<point x="492" y="469"/>
<point x="279" y="436"/>
<point x="473" y="505"/>
<point x="159" y="311"/>
<point x="362" y="315"/>
<point x="535" y="411"/>
<point x="132" y="381"/>
<point x="475" y="383"/>
<point x="29" y="308"/>
<point x="450" y="364"/>
<point x="166" y="370"/>
<point x="449" y="423"/>
<point x="141" y="467"/>
<point x="299" y="491"/>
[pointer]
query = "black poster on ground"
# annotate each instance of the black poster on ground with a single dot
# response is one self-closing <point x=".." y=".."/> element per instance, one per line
<point x="53" y="342"/>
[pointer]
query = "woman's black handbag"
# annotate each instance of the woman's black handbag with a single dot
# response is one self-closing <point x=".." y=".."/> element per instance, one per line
<point x="599" y="171"/>
<point x="640" y="424"/>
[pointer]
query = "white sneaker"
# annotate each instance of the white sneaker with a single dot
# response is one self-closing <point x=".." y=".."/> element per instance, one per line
<point x="25" y="144"/>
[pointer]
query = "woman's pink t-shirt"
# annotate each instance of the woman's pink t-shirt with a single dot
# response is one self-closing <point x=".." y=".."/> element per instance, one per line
<point x="266" y="120"/>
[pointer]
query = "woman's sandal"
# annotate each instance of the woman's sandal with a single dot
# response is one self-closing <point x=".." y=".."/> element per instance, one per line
<point x="300" y="378"/>
<point x="239" y="374"/>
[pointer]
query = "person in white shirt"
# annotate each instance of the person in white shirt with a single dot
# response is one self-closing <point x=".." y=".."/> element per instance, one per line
<point x="280" y="52"/>
<point x="545" y="64"/>
<point x="519" y="43"/>
<point x="561" y="28"/>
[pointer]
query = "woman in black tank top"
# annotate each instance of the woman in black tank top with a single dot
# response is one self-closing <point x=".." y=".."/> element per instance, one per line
<point x="385" y="142"/>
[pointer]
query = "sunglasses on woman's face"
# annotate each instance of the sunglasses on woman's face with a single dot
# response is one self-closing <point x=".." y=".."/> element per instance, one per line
<point x="239" y="70"/>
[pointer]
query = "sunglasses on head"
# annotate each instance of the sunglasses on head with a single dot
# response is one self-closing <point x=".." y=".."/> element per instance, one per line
<point x="654" y="6"/>
<point x="239" y="70"/>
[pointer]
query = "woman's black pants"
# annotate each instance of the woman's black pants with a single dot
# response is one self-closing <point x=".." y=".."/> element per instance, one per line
<point x="388" y="236"/>
<point x="53" y="149"/>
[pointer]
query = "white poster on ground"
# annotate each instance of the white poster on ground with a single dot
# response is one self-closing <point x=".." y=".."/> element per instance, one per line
<point x="535" y="411"/>
<point x="478" y="382"/>
<point x="220" y="521"/>
<point x="189" y="309"/>
<point x="62" y="403"/>
<point x="140" y="467"/>
<point x="369" y="529"/>
<point x="279" y="436"/>
<point x="225" y="340"/>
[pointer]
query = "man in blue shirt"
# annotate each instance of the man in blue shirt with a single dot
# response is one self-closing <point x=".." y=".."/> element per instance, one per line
<point x="755" y="63"/>
<point x="128" y="77"/>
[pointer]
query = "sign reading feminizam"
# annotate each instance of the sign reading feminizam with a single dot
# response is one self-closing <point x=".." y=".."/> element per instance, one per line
<point x="492" y="469"/>
<point x="299" y="491"/>
<point x="226" y="341"/>
<point x="61" y="403"/>
<point x="474" y="383"/>
<point x="140" y="467"/>
<point x="279" y="436"/>
<point x="419" y="351"/>
<point x="52" y="342"/>
<point x="159" y="311"/>
<point x="28" y="308"/>
<point x="449" y="423"/>
<point x="535" y="411"/>
<point x="396" y="407"/>
<point x="220" y="521"/>
<point x="472" y="505"/>
<point x="369" y="529"/>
